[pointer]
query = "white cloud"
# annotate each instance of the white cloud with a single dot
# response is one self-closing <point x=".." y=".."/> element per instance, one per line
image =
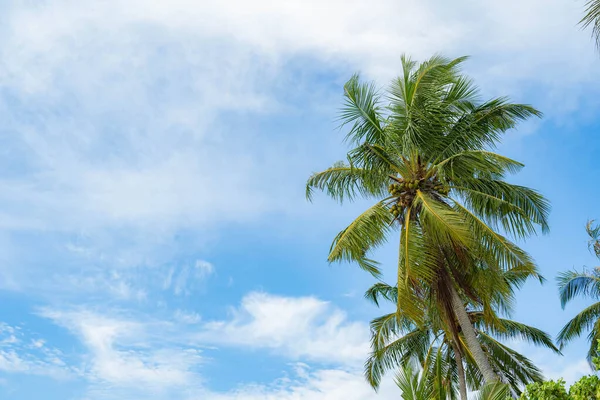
<point x="183" y="278"/>
<point x="304" y="328"/>
<point x="23" y="355"/>
<point x="186" y="317"/>
<point x="121" y="101"/>
<point x="128" y="353"/>
<point x="330" y="384"/>
<point x="118" y="121"/>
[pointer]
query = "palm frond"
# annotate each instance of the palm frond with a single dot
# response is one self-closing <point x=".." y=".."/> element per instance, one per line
<point x="413" y="385"/>
<point x="516" y="369"/>
<point x="345" y="182"/>
<point x="366" y="232"/>
<point x="509" y="330"/>
<point x="494" y="391"/>
<point x="592" y="18"/>
<point x="381" y="290"/>
<point x="572" y="284"/>
<point x="583" y="321"/>
<point x="517" y="209"/>
<point x="482" y="126"/>
<point x="362" y="111"/>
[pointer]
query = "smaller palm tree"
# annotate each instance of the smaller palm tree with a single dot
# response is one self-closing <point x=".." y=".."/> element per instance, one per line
<point x="397" y="342"/>
<point x="416" y="384"/>
<point x="587" y="284"/>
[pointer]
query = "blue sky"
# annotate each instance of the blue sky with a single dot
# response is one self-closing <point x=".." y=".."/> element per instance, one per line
<point x="154" y="237"/>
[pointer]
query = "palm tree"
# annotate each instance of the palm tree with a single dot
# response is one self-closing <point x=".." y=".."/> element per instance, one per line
<point x="585" y="283"/>
<point x="396" y="343"/>
<point x="592" y="18"/>
<point x="426" y="158"/>
<point x="416" y="384"/>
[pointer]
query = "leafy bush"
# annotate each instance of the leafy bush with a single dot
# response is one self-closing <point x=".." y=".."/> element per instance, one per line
<point x="587" y="388"/>
<point x="548" y="390"/>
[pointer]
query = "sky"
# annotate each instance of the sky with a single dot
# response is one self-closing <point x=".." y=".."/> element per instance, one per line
<point x="155" y="241"/>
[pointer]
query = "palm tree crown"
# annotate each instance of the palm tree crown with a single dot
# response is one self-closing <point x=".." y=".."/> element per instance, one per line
<point x="399" y="342"/>
<point x="424" y="153"/>
<point x="585" y="283"/>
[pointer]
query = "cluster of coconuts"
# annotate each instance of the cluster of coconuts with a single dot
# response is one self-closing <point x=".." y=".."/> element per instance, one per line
<point x="405" y="192"/>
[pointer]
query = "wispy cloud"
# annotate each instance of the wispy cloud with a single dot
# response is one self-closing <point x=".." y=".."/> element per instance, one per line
<point x="129" y="353"/>
<point x="303" y="328"/>
<point x="22" y="354"/>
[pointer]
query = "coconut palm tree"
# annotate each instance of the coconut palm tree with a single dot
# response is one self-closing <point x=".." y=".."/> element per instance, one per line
<point x="585" y="283"/>
<point x="416" y="384"/>
<point x="399" y="342"/>
<point x="424" y="153"/>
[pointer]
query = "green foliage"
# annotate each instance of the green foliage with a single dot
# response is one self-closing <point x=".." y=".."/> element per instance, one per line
<point x="591" y="19"/>
<point x="587" y="388"/>
<point x="586" y="284"/>
<point x="596" y="360"/>
<point x="549" y="390"/>
<point x="423" y="152"/>
<point x="397" y="342"/>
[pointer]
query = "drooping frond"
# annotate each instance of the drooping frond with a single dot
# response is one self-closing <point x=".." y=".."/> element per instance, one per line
<point x="373" y="157"/>
<point x="344" y="182"/>
<point x="583" y="321"/>
<point x="381" y="290"/>
<point x="476" y="164"/>
<point x="593" y="232"/>
<point x="388" y="356"/>
<point x="366" y="232"/>
<point x="445" y="226"/>
<point x="517" y="209"/>
<point x="515" y="369"/>
<point x="495" y="246"/>
<point x="592" y="18"/>
<point x="512" y="330"/>
<point x="417" y="264"/>
<point x="572" y="284"/>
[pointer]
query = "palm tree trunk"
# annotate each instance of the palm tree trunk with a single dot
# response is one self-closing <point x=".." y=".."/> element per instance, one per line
<point x="460" y="370"/>
<point x="471" y="337"/>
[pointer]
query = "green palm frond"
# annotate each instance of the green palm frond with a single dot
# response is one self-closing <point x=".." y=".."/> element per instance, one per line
<point x="382" y="290"/>
<point x="482" y="126"/>
<point x="592" y="18"/>
<point x="375" y="158"/>
<point x="583" y="321"/>
<point x="445" y="225"/>
<point x="510" y="330"/>
<point x="413" y="384"/>
<point x="494" y="391"/>
<point x="517" y="209"/>
<point x="362" y="111"/>
<point x="572" y="284"/>
<point x="493" y="245"/>
<point x="593" y="232"/>
<point x="366" y="232"/>
<point x="387" y="356"/>
<point x="477" y="164"/>
<point x="344" y="182"/>
<point x="516" y="369"/>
